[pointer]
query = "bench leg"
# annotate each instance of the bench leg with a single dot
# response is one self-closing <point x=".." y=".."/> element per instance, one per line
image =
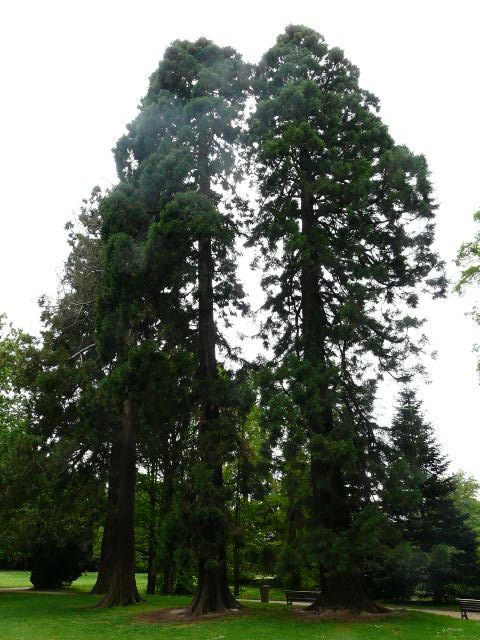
<point x="464" y="615"/>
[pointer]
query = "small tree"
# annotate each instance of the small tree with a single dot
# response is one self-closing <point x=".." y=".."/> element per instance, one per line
<point x="419" y="497"/>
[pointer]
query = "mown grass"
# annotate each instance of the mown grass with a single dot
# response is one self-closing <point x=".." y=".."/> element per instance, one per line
<point x="14" y="579"/>
<point x="70" y="615"/>
<point x="10" y="579"/>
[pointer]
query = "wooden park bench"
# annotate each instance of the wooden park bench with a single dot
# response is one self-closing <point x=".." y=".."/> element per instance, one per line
<point x="301" y="596"/>
<point x="472" y="606"/>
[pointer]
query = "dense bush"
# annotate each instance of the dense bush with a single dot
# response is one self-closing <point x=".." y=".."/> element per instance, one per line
<point x="404" y="568"/>
<point x="54" y="565"/>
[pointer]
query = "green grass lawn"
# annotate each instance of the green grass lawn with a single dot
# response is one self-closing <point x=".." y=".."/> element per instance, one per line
<point x="86" y="582"/>
<point x="12" y="579"/>
<point x="69" y="615"/>
<point x="9" y="579"/>
<point x="27" y="615"/>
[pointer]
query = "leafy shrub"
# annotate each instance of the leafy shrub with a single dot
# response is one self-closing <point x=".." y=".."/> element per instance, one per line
<point x="54" y="565"/>
<point x="403" y="569"/>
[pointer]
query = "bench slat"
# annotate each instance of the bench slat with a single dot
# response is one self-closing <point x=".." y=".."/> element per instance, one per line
<point x="301" y="596"/>
<point x="467" y="604"/>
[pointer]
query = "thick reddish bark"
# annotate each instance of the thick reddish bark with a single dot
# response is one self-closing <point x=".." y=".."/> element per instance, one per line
<point x="122" y="588"/>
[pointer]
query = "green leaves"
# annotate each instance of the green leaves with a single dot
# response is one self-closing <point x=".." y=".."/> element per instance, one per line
<point x="469" y="257"/>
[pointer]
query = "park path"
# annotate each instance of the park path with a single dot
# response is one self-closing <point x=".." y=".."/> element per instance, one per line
<point x="438" y="612"/>
<point x="450" y="614"/>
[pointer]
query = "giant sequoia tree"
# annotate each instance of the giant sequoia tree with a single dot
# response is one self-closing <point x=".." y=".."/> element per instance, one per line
<point x="181" y="152"/>
<point x="345" y="226"/>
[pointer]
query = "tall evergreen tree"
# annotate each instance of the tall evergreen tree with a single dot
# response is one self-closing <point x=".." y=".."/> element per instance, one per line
<point x="122" y="323"/>
<point x="181" y="153"/>
<point x="419" y="497"/>
<point x="345" y="227"/>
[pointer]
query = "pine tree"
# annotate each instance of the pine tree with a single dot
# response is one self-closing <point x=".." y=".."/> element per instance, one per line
<point x="345" y="229"/>
<point x="416" y="469"/>
<point x="419" y="497"/>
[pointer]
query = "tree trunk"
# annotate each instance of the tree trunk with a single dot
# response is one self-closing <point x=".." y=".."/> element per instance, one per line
<point x="151" y="579"/>
<point x="105" y="564"/>
<point x="122" y="588"/>
<point x="296" y="578"/>
<point x="236" y="570"/>
<point x="344" y="591"/>
<point x="169" y="565"/>
<point x="170" y="459"/>
<point x="236" y="545"/>
<point x="169" y="575"/>
<point x="330" y="505"/>
<point x="213" y="593"/>
<point x="152" y="547"/>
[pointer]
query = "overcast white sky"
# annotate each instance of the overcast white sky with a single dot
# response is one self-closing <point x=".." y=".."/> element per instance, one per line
<point x="72" y="74"/>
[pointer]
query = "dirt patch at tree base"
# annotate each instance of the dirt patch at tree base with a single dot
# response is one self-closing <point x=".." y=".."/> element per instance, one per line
<point x="346" y="615"/>
<point x="180" y="616"/>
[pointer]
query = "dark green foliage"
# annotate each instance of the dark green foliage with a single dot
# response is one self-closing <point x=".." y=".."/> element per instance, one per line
<point x="50" y="499"/>
<point x="345" y="227"/>
<point x="57" y="564"/>
<point x="403" y="569"/>
<point x="416" y="471"/>
<point x="419" y="497"/>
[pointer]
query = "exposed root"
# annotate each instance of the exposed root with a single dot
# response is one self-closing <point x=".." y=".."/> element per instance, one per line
<point x="111" y="599"/>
